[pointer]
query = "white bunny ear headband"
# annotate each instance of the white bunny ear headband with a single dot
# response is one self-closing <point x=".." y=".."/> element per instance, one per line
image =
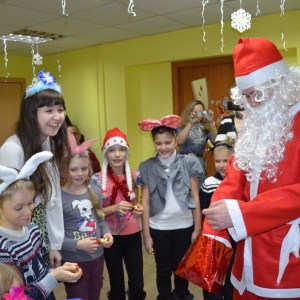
<point x="10" y="175"/>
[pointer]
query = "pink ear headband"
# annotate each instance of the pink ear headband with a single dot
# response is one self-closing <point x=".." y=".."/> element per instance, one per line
<point x="79" y="149"/>
<point x="172" y="121"/>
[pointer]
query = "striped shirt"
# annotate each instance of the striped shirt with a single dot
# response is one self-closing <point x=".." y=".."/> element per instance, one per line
<point x="207" y="189"/>
<point x="29" y="254"/>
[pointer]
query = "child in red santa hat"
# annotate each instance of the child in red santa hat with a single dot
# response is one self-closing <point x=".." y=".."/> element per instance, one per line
<point x="119" y="187"/>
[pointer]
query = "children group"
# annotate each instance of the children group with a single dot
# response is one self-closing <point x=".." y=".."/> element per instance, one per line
<point x="59" y="222"/>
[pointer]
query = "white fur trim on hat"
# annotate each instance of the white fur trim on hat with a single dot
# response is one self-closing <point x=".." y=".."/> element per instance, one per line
<point x="261" y="75"/>
<point x="116" y="140"/>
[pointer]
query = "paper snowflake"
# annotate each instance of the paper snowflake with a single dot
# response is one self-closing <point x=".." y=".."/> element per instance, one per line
<point x="241" y="20"/>
<point x="37" y="59"/>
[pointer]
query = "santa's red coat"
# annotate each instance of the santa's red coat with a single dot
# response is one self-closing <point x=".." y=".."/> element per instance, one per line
<point x="263" y="232"/>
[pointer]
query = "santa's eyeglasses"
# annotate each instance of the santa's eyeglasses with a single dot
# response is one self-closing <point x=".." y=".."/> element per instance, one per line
<point x="258" y="95"/>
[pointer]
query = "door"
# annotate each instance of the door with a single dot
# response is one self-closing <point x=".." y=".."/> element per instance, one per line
<point x="219" y="76"/>
<point x="11" y="92"/>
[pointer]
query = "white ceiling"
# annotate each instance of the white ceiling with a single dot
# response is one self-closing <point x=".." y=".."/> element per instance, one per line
<point x="94" y="22"/>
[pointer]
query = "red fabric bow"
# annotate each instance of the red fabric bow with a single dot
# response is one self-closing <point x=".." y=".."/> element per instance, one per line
<point x="172" y="121"/>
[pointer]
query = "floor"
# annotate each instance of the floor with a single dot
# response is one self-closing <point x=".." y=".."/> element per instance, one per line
<point x="149" y="279"/>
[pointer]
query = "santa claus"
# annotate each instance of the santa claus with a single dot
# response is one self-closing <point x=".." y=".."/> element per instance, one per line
<point x="258" y="202"/>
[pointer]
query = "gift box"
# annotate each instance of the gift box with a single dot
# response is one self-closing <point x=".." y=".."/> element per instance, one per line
<point x="205" y="263"/>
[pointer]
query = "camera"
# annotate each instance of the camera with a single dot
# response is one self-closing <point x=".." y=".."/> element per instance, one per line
<point x="201" y="114"/>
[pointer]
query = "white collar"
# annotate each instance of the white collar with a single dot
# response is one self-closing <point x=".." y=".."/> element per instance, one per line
<point x="167" y="161"/>
<point x="15" y="233"/>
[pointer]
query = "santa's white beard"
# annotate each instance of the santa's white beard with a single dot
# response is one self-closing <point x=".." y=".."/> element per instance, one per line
<point x="261" y="142"/>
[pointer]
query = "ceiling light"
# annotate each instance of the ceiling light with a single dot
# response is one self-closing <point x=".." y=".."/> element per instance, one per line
<point x="30" y="36"/>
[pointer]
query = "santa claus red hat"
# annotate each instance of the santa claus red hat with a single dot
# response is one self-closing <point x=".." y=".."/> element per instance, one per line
<point x="115" y="137"/>
<point x="256" y="60"/>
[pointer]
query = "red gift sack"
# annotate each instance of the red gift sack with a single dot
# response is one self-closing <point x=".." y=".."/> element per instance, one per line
<point x="205" y="263"/>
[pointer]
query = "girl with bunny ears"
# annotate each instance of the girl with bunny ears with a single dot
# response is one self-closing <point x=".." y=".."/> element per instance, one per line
<point x="21" y="242"/>
<point x="119" y="188"/>
<point x="85" y="233"/>
<point x="171" y="218"/>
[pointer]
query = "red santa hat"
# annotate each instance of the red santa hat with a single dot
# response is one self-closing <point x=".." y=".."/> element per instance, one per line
<point x="256" y="60"/>
<point x="115" y="137"/>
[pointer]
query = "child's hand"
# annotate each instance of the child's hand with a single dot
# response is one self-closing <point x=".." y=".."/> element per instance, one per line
<point x="123" y="207"/>
<point x="137" y="210"/>
<point x="194" y="235"/>
<point x="68" y="272"/>
<point x="55" y="258"/>
<point x="148" y="243"/>
<point x="89" y="245"/>
<point x="109" y="241"/>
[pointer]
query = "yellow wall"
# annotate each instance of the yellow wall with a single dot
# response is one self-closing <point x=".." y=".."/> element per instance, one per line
<point x="148" y="94"/>
<point x="118" y="84"/>
<point x="17" y="67"/>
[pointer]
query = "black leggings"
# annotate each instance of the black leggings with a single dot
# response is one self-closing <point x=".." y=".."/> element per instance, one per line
<point x="170" y="247"/>
<point x="129" y="249"/>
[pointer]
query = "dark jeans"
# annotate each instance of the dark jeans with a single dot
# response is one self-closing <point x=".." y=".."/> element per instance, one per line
<point x="170" y="246"/>
<point x="88" y="287"/>
<point x="129" y="249"/>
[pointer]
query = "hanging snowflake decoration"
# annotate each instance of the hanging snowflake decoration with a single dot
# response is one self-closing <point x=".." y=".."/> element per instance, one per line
<point x="241" y="20"/>
<point x="37" y="59"/>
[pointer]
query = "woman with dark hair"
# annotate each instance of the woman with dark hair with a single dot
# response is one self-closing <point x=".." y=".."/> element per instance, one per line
<point x="41" y="127"/>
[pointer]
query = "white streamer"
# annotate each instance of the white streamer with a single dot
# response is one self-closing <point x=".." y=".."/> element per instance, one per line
<point x="282" y="23"/>
<point x="32" y="62"/>
<point x="63" y="7"/>
<point x="130" y="8"/>
<point x="5" y="58"/>
<point x="59" y="67"/>
<point x="222" y="25"/>
<point x="258" y="13"/>
<point x="204" y="2"/>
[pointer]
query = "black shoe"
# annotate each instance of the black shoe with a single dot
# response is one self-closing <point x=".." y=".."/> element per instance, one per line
<point x="183" y="297"/>
<point x="159" y="298"/>
<point x="142" y="296"/>
<point x="109" y="297"/>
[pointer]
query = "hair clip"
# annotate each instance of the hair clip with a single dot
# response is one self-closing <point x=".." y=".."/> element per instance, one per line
<point x="10" y="175"/>
<point x="172" y="121"/>
<point x="45" y="80"/>
<point x="79" y="149"/>
<point x="210" y="146"/>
